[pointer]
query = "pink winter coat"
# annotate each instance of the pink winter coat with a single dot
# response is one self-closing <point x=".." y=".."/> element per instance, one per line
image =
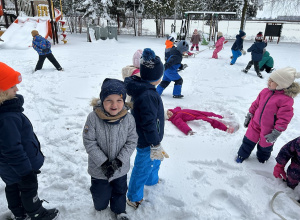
<point x="271" y="109"/>
<point x="181" y="116"/>
<point x="219" y="43"/>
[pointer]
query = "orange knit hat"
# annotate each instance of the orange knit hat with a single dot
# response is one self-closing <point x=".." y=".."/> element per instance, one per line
<point x="8" y="77"/>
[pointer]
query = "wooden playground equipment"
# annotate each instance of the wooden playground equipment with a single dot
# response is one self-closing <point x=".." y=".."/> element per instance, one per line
<point x="34" y="8"/>
<point x="211" y="17"/>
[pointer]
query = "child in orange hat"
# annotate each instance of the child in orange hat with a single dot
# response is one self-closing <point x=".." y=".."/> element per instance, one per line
<point x="20" y="154"/>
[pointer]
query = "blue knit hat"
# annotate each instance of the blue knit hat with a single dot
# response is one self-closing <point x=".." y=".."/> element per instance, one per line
<point x="242" y="33"/>
<point x="151" y="67"/>
<point x="112" y="86"/>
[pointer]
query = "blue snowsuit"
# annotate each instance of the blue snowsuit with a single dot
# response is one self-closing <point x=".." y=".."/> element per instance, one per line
<point x="148" y="111"/>
<point x="237" y="47"/>
<point x="171" y="73"/>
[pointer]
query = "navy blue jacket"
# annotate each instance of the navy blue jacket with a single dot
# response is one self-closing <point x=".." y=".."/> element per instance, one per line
<point x="20" y="151"/>
<point x="148" y="111"/>
<point x="238" y="43"/>
<point x="174" y="59"/>
<point x="257" y="50"/>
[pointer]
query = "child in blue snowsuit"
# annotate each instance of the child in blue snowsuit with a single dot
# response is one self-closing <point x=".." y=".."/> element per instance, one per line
<point x="171" y="70"/>
<point x="256" y="50"/>
<point x="237" y="47"/>
<point x="43" y="48"/>
<point x="148" y="111"/>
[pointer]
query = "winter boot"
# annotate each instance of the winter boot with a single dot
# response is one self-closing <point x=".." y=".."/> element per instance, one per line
<point x="259" y="75"/>
<point x="271" y="70"/>
<point x="135" y="205"/>
<point x="122" y="216"/>
<point x="177" y="96"/>
<point x="231" y="57"/>
<point x="192" y="48"/>
<point x="197" y="48"/>
<point x="46" y="214"/>
<point x="245" y="70"/>
<point x="239" y="159"/>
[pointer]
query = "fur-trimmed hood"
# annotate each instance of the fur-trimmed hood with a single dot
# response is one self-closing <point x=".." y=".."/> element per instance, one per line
<point x="293" y="90"/>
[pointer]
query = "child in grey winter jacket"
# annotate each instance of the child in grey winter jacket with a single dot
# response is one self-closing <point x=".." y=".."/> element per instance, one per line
<point x="110" y="138"/>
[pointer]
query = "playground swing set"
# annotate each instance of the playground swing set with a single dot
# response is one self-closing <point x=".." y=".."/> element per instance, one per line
<point x="210" y="17"/>
<point x="34" y="8"/>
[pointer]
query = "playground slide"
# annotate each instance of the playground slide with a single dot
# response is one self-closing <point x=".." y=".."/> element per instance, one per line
<point x="18" y="34"/>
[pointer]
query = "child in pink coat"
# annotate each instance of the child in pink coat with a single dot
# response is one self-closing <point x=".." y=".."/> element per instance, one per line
<point x="270" y="114"/>
<point x="219" y="45"/>
<point x="179" y="117"/>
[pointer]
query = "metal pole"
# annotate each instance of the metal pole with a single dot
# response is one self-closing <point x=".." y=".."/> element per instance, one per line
<point x="175" y="15"/>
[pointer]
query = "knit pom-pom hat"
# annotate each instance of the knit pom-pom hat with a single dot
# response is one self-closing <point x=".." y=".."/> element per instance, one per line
<point x="151" y="67"/>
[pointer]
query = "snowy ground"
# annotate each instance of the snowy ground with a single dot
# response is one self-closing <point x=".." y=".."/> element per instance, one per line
<point x="200" y="180"/>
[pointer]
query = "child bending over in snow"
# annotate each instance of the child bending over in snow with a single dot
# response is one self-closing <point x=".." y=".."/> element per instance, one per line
<point x="110" y="137"/>
<point x="20" y="152"/>
<point x="179" y="117"/>
<point x="290" y="151"/>
<point x="270" y="114"/>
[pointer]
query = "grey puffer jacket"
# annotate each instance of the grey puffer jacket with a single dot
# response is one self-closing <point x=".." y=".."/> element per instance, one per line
<point x="104" y="140"/>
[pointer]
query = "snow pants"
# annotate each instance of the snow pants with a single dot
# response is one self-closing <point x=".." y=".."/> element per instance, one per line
<point x="216" y="51"/>
<point x="195" y="45"/>
<point x="266" y="68"/>
<point x="293" y="175"/>
<point x="256" y="65"/>
<point x="167" y="80"/>
<point x="22" y="198"/>
<point x="114" y="192"/>
<point x="51" y="58"/>
<point x="262" y="154"/>
<point x="235" y="55"/>
<point x="144" y="172"/>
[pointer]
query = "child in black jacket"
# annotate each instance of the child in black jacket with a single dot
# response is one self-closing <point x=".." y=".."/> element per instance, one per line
<point x="256" y="54"/>
<point x="20" y="152"/>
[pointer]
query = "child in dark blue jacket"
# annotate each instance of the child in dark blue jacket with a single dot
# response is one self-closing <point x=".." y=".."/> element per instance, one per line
<point x="20" y="152"/>
<point x="43" y="48"/>
<point x="148" y="112"/>
<point x="171" y="70"/>
<point x="256" y="50"/>
<point x="237" y="47"/>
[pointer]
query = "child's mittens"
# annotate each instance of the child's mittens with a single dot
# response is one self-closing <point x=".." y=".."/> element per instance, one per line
<point x="230" y="130"/>
<point x="107" y="169"/>
<point x="243" y="52"/>
<point x="279" y="171"/>
<point x="158" y="153"/>
<point x="116" y="164"/>
<point x="272" y="137"/>
<point x="247" y="119"/>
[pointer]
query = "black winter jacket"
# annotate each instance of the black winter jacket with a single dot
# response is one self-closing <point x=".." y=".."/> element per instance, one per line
<point x="257" y="50"/>
<point x="20" y="151"/>
<point x="148" y="111"/>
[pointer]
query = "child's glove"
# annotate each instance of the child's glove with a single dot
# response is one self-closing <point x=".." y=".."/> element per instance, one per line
<point x="272" y="137"/>
<point x="247" y="119"/>
<point x="107" y="169"/>
<point x="116" y="164"/>
<point x="279" y="171"/>
<point x="243" y="52"/>
<point x="183" y="66"/>
<point x="158" y="153"/>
